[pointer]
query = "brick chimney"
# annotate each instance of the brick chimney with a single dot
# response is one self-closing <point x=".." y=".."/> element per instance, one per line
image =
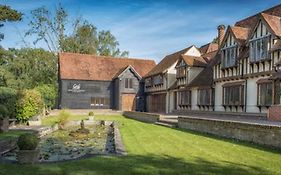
<point x="221" y="31"/>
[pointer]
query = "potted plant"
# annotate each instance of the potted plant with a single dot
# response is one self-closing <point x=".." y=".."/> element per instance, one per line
<point x="4" y="120"/>
<point x="91" y="116"/>
<point x="28" y="152"/>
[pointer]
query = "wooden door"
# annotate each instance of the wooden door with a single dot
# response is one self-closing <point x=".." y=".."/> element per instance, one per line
<point x="128" y="102"/>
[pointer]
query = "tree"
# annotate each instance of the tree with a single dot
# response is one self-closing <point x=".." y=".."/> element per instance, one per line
<point x="48" y="27"/>
<point x="84" y="39"/>
<point x="108" y="45"/>
<point x="7" y="15"/>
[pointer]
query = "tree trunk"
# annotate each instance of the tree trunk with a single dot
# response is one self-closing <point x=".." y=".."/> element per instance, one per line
<point x="4" y="124"/>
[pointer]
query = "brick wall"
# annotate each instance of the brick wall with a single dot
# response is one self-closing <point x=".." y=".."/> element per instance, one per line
<point x="255" y="133"/>
<point x="274" y="113"/>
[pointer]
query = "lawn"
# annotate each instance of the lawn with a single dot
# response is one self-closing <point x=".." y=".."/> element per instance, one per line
<point x="157" y="150"/>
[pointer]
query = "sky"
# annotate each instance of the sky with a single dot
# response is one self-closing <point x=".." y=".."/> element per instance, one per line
<point x="147" y="29"/>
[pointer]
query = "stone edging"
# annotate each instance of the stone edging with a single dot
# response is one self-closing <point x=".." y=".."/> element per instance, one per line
<point x="119" y="146"/>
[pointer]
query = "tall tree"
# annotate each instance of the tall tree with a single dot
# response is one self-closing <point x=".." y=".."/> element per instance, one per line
<point x="48" y="27"/>
<point x="8" y="14"/>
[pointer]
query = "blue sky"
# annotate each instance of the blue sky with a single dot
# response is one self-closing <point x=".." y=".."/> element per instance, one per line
<point x="146" y="28"/>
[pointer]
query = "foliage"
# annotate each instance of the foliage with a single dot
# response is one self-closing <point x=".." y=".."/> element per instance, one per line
<point x="3" y="111"/>
<point x="48" y="27"/>
<point x="27" y="68"/>
<point x="63" y="117"/>
<point x="91" y="113"/>
<point x="8" y="98"/>
<point x="87" y="40"/>
<point x="7" y="15"/>
<point x="28" y="141"/>
<point x="48" y="93"/>
<point x="29" y="104"/>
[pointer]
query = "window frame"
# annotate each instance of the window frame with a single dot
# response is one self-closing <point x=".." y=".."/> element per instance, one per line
<point x="264" y="97"/>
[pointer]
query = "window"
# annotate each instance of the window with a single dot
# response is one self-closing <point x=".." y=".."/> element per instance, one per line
<point x="205" y="97"/>
<point x="128" y="83"/>
<point x="157" y="80"/>
<point x="148" y="82"/>
<point x="229" y="56"/>
<point x="233" y="95"/>
<point x="181" y="72"/>
<point x="184" y="98"/>
<point x="277" y="92"/>
<point x="265" y="94"/>
<point x="259" y="49"/>
<point x="99" y="101"/>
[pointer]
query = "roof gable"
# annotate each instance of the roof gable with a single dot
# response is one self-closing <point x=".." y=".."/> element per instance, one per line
<point x="239" y="34"/>
<point x="125" y="69"/>
<point x="92" y="67"/>
<point x="193" y="51"/>
<point x="273" y="23"/>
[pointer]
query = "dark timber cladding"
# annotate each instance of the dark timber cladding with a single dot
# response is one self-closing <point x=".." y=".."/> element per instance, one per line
<point x="98" y="82"/>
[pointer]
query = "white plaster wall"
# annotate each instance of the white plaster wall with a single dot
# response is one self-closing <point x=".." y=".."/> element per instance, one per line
<point x="194" y="99"/>
<point x="193" y="51"/>
<point x="171" y="101"/>
<point x="218" y="97"/>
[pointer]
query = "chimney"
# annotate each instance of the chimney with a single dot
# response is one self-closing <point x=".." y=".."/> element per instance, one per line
<point x="221" y="29"/>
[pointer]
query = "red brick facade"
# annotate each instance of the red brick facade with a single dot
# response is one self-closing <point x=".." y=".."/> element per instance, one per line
<point x="274" y="113"/>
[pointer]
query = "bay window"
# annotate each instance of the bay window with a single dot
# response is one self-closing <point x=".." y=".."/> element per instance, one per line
<point x="157" y="80"/>
<point x="205" y="97"/>
<point x="265" y="94"/>
<point x="184" y="98"/>
<point x="229" y="56"/>
<point x="181" y="72"/>
<point x="148" y="82"/>
<point x="233" y="95"/>
<point x="259" y="49"/>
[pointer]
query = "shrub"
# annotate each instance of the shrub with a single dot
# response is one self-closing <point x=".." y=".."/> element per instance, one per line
<point x="28" y="141"/>
<point x="29" y="104"/>
<point x="3" y="112"/>
<point x="63" y="118"/>
<point x="91" y="113"/>
<point x="8" y="98"/>
<point x="48" y="93"/>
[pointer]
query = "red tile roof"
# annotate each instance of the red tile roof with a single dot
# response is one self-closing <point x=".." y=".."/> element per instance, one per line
<point x="207" y="48"/>
<point x="194" y="61"/>
<point x="92" y="67"/>
<point x="241" y="34"/>
<point x="273" y="22"/>
<point x="167" y="62"/>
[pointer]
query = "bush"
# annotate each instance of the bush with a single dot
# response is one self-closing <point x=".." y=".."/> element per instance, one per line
<point x="28" y="141"/>
<point x="91" y="113"/>
<point x="29" y="104"/>
<point x="63" y="118"/>
<point x="48" y="93"/>
<point x="8" y="98"/>
<point x="3" y="112"/>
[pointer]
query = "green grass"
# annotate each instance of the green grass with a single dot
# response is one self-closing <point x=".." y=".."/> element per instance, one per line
<point x="12" y="134"/>
<point x="157" y="150"/>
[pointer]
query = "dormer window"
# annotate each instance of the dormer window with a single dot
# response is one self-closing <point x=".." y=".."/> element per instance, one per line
<point x="259" y="49"/>
<point x="181" y="72"/>
<point x="229" y="55"/>
<point x="157" y="80"/>
<point x="148" y="82"/>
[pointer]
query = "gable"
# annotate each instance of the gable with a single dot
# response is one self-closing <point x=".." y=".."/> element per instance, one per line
<point x="229" y="40"/>
<point x="129" y="72"/>
<point x="181" y="63"/>
<point x="260" y="30"/>
<point x="193" y="51"/>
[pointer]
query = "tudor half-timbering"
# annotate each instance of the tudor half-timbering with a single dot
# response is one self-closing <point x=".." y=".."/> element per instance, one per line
<point x="97" y="82"/>
<point x="194" y="80"/>
<point x="244" y="75"/>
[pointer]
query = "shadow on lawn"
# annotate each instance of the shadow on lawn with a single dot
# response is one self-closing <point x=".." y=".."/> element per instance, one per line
<point x="134" y="164"/>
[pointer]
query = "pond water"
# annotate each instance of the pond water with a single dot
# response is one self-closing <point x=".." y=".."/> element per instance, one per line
<point x="69" y="144"/>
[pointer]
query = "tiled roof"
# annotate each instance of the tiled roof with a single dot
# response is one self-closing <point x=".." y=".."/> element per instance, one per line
<point x="273" y="22"/>
<point x="210" y="47"/>
<point x="241" y="34"/>
<point x="92" y="67"/>
<point x="252" y="20"/>
<point x="167" y="62"/>
<point x="194" y="61"/>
